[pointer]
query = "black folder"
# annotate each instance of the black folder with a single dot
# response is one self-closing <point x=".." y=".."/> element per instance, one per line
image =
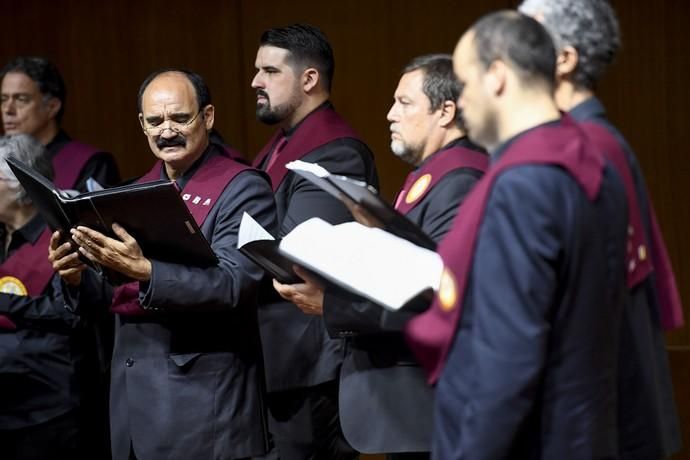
<point x="366" y="196"/>
<point x="153" y="213"/>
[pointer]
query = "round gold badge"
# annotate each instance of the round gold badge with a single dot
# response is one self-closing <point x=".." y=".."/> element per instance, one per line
<point x="418" y="188"/>
<point x="11" y="285"/>
<point x="447" y="291"/>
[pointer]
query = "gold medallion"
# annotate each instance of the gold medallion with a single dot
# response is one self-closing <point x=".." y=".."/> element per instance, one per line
<point x="447" y="291"/>
<point x="12" y="285"/>
<point x="418" y="188"/>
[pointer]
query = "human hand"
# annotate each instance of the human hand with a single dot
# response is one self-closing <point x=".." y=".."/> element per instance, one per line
<point x="123" y="255"/>
<point x="308" y="296"/>
<point x="65" y="260"/>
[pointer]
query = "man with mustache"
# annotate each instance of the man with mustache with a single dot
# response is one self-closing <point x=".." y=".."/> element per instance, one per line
<point x="186" y="365"/>
<point x="293" y="82"/>
<point x="426" y="131"/>
<point x="587" y="36"/>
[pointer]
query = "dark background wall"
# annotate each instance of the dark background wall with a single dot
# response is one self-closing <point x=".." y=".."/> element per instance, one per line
<point x="105" y="49"/>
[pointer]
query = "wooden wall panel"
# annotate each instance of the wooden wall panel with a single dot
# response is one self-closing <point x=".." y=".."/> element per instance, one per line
<point x="372" y="41"/>
<point x="105" y="49"/>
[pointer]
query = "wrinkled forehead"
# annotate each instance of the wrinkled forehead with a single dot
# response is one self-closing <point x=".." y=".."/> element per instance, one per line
<point x="170" y="92"/>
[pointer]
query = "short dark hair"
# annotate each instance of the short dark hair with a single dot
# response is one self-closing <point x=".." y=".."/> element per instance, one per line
<point x="203" y="94"/>
<point x="440" y="83"/>
<point x="44" y="73"/>
<point x="521" y="41"/>
<point x="308" y="47"/>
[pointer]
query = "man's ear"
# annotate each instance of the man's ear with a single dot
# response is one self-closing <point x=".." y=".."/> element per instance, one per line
<point x="141" y="123"/>
<point x="310" y="78"/>
<point x="448" y="111"/>
<point x="209" y="116"/>
<point x="53" y="106"/>
<point x="567" y="61"/>
<point x="496" y="77"/>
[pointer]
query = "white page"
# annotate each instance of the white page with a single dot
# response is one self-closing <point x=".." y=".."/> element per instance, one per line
<point x="313" y="168"/>
<point x="251" y="230"/>
<point x="369" y="261"/>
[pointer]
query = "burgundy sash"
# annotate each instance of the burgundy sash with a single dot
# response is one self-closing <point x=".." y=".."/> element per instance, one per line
<point x="639" y="263"/>
<point x="69" y="162"/>
<point x="437" y="167"/>
<point x="200" y="194"/>
<point x="318" y="128"/>
<point x="431" y="334"/>
<point x="30" y="265"/>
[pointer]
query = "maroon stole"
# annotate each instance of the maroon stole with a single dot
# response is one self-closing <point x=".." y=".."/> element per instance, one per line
<point x="420" y="181"/>
<point x="431" y="334"/>
<point x="639" y="263"/>
<point x="319" y="128"/>
<point x="26" y="272"/>
<point x="69" y="162"/>
<point x="200" y="194"/>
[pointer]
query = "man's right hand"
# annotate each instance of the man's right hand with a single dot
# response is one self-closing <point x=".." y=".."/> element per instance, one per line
<point x="65" y="260"/>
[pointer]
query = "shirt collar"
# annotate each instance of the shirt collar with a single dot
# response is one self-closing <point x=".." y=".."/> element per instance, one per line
<point x="289" y="132"/>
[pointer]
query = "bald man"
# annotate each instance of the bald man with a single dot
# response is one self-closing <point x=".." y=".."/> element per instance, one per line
<point x="185" y="373"/>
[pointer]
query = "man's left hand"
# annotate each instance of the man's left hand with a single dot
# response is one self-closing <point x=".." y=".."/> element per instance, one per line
<point x="123" y="255"/>
<point x="308" y="296"/>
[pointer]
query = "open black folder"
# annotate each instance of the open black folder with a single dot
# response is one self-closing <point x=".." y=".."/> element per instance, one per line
<point x="153" y="213"/>
<point x="369" y="262"/>
<point x="367" y="197"/>
<point x="262" y="248"/>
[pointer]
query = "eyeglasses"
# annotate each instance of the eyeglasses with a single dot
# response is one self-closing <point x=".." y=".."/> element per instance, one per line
<point x="178" y="126"/>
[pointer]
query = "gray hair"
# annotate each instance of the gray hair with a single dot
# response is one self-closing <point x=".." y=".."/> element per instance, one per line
<point x="589" y="26"/>
<point x="30" y="152"/>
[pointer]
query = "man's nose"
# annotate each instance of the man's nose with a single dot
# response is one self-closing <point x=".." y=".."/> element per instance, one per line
<point x="257" y="82"/>
<point x="8" y="106"/>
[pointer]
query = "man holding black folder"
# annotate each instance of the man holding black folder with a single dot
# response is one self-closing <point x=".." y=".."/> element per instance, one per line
<point x="426" y="131"/>
<point x="186" y="366"/>
<point x="293" y="81"/>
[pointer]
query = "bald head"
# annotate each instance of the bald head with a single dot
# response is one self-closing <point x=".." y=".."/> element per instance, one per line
<point x="506" y="64"/>
<point x="174" y="118"/>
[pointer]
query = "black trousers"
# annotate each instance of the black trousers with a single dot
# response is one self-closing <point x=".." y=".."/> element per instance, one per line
<point x="57" y="439"/>
<point x="305" y="426"/>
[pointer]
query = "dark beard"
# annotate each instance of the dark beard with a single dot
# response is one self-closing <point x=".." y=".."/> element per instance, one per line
<point x="265" y="114"/>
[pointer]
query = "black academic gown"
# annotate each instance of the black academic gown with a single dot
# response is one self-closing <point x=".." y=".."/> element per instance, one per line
<point x="649" y="427"/>
<point x="532" y="371"/>
<point x="186" y="375"/>
<point x="396" y="414"/>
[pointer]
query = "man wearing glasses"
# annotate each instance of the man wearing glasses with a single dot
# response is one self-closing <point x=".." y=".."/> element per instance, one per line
<point x="33" y="102"/>
<point x="185" y="380"/>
